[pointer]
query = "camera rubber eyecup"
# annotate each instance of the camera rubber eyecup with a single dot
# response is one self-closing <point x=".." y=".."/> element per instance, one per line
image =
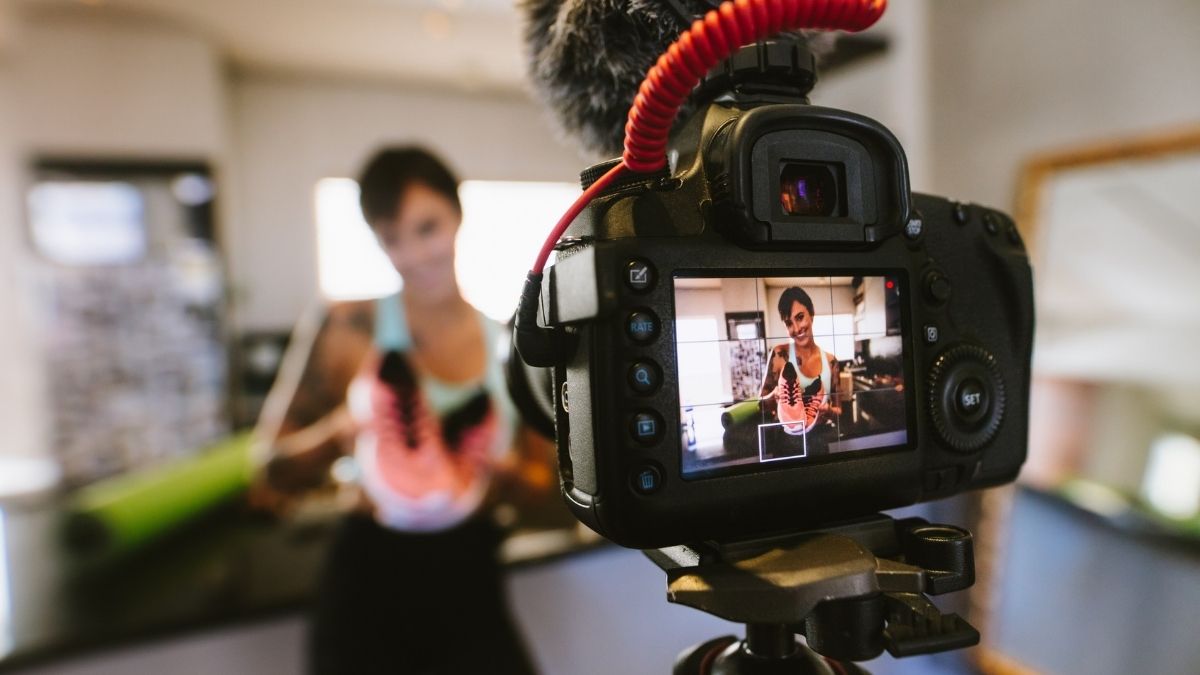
<point x="966" y="397"/>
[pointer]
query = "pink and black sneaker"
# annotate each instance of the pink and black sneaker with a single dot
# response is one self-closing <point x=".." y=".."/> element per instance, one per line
<point x="416" y="453"/>
<point x="797" y="406"/>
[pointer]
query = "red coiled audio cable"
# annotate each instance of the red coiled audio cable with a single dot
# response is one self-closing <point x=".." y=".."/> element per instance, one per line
<point x="709" y="41"/>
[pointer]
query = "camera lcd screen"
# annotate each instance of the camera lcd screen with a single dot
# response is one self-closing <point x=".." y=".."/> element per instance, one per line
<point x="780" y="371"/>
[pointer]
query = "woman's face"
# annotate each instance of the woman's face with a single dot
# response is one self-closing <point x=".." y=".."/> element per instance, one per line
<point x="799" y="324"/>
<point x="420" y="243"/>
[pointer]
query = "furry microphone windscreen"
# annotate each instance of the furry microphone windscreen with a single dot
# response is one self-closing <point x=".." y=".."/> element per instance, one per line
<point x="588" y="57"/>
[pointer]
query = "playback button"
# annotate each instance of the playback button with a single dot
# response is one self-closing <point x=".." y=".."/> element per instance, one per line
<point x="646" y="427"/>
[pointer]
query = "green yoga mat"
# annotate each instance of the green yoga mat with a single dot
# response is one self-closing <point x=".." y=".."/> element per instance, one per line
<point x="739" y="412"/>
<point x="122" y="513"/>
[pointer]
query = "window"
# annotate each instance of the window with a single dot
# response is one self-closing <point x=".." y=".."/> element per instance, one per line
<point x="837" y="325"/>
<point x="1172" y="480"/>
<point x="699" y="356"/>
<point x="504" y="224"/>
<point x="83" y="223"/>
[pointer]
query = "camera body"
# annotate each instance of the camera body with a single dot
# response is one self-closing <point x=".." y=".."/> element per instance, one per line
<point x="781" y="335"/>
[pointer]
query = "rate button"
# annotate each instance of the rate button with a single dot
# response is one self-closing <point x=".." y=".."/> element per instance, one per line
<point x="642" y="326"/>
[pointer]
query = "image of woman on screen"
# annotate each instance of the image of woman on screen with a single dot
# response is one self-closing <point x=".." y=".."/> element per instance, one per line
<point x="799" y="388"/>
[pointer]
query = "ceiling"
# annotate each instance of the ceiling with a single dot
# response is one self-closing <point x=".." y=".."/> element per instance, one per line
<point x="470" y="44"/>
<point x="464" y="44"/>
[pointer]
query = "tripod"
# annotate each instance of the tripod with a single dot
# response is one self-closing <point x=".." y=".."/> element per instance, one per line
<point x="852" y="590"/>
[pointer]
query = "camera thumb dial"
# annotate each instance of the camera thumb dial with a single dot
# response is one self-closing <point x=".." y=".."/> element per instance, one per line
<point x="966" y="397"/>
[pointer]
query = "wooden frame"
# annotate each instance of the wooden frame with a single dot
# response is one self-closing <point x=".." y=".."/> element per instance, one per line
<point x="993" y="507"/>
<point x="1035" y="172"/>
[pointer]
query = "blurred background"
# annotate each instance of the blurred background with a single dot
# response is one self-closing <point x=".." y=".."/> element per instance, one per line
<point x="175" y="200"/>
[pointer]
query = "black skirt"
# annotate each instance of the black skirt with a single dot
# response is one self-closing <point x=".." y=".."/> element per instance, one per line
<point x="399" y="603"/>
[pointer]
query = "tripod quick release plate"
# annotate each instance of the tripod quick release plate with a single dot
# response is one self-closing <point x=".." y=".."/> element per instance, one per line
<point x="852" y="590"/>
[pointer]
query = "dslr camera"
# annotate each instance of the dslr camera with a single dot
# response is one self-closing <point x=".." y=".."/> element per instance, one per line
<point x="777" y="333"/>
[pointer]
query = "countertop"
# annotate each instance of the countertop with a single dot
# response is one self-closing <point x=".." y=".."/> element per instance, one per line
<point x="230" y="566"/>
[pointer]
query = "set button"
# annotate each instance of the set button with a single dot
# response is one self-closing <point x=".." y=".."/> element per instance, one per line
<point x="970" y="400"/>
<point x="642" y="326"/>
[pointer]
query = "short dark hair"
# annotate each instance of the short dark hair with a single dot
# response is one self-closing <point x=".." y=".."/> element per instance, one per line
<point x="794" y="294"/>
<point x="391" y="171"/>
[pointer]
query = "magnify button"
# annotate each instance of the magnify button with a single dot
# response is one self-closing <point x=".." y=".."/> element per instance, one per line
<point x="644" y="377"/>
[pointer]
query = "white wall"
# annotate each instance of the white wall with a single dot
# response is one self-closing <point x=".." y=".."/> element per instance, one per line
<point x="1021" y="76"/>
<point x="120" y="86"/>
<point x="289" y="132"/>
<point x="894" y="87"/>
<point x="21" y="409"/>
<point x="6" y="28"/>
<point x="743" y="295"/>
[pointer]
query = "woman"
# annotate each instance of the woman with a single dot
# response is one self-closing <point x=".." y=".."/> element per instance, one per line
<point x="799" y="387"/>
<point x="411" y="384"/>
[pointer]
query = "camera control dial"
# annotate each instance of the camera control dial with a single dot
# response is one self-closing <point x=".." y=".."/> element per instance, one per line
<point x="966" y="397"/>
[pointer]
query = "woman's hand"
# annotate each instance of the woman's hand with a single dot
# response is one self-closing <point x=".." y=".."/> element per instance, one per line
<point x="299" y="463"/>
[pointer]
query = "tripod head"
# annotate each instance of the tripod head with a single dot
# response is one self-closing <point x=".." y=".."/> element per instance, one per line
<point x="852" y="590"/>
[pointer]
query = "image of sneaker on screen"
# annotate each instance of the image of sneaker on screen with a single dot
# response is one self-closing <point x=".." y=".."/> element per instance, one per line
<point x="799" y="388"/>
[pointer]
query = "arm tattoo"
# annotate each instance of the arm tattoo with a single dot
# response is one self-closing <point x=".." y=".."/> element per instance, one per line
<point x="345" y="332"/>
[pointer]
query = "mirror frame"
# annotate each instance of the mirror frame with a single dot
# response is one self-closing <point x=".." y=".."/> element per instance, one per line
<point x="992" y="508"/>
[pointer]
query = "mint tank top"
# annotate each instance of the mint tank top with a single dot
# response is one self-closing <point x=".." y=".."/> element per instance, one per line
<point x="826" y="374"/>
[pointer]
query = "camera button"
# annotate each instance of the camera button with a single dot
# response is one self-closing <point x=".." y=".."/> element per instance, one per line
<point x="646" y="427"/>
<point x="914" y="227"/>
<point x="991" y="223"/>
<point x="937" y="287"/>
<point x="961" y="213"/>
<point x="642" y="326"/>
<point x="639" y="276"/>
<point x="931" y="333"/>
<point x="938" y="480"/>
<point x="644" y="377"/>
<point x="1014" y="237"/>
<point x="966" y="397"/>
<point x="647" y="480"/>
<point x="971" y="399"/>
